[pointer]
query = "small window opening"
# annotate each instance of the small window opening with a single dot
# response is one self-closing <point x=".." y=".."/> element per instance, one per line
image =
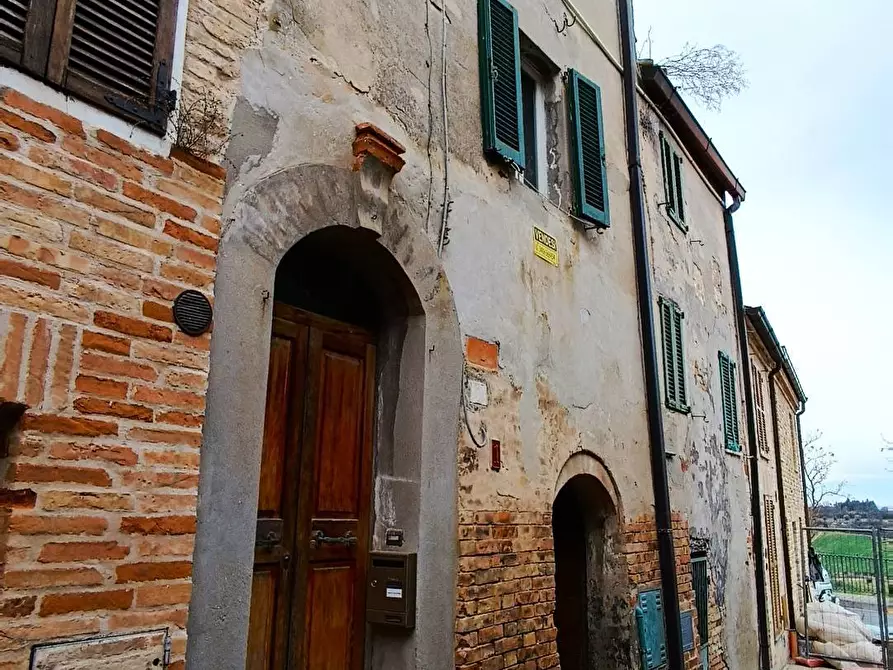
<point x="534" y="110"/>
<point x="537" y="86"/>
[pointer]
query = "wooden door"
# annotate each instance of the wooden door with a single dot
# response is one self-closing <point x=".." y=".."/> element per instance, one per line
<point x="308" y="594"/>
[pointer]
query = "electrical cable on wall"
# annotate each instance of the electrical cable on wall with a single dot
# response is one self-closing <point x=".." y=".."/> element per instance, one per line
<point x="430" y="116"/>
<point x="445" y="207"/>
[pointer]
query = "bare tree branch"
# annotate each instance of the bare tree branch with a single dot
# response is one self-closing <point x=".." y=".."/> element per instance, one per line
<point x="817" y="463"/>
<point x="710" y="75"/>
<point x="200" y="125"/>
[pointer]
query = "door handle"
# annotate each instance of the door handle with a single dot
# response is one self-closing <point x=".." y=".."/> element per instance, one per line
<point x="319" y="538"/>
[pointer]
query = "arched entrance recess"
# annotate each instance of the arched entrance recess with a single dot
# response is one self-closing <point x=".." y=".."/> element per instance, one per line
<point x="304" y="223"/>
<point x="591" y="584"/>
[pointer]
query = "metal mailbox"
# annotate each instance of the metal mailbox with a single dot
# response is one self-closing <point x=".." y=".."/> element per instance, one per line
<point x="390" y="599"/>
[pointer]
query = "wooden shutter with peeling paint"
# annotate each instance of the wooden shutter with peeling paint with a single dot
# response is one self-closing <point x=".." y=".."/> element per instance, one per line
<point x="114" y="54"/>
<point x="675" y="384"/>
<point x="729" y="403"/>
<point x="500" y="69"/>
<point x="589" y="161"/>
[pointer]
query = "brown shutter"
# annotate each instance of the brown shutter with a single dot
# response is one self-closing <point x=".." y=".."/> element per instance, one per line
<point x="25" y="30"/>
<point x="118" y="55"/>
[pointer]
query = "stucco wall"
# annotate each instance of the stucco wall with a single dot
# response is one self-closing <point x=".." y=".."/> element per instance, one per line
<point x="709" y="485"/>
<point x="295" y="77"/>
<point x="569" y="375"/>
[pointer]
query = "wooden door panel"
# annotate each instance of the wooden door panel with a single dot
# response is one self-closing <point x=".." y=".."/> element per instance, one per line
<point x="314" y="497"/>
<point x="276" y="424"/>
<point x="273" y="581"/>
<point x="262" y="619"/>
<point x="330" y="610"/>
<point x="339" y="446"/>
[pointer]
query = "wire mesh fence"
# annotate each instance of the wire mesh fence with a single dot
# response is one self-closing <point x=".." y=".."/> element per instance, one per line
<point x="844" y="614"/>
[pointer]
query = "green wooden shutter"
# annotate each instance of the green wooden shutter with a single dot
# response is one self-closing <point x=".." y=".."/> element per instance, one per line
<point x="674" y="355"/>
<point x="589" y="162"/>
<point x="652" y="636"/>
<point x="679" y="354"/>
<point x="674" y="189"/>
<point x="677" y="182"/>
<point x="500" y="65"/>
<point x="729" y="402"/>
<point x="666" y="163"/>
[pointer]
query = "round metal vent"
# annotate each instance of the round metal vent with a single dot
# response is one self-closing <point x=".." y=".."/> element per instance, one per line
<point x="192" y="312"/>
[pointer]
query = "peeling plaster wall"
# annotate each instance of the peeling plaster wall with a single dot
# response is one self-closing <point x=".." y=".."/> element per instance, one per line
<point x="708" y="484"/>
<point x="570" y="375"/>
<point x="298" y="76"/>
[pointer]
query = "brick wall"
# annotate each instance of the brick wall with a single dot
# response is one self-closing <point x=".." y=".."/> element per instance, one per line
<point x="97" y="511"/>
<point x="640" y="543"/>
<point x="506" y="595"/>
<point x="506" y="591"/>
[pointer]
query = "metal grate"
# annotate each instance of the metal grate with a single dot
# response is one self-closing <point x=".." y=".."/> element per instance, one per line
<point x="593" y="173"/>
<point x="113" y="44"/>
<point x="700" y="583"/>
<point x="192" y="312"/>
<point x="505" y="66"/>
<point x="13" y="15"/>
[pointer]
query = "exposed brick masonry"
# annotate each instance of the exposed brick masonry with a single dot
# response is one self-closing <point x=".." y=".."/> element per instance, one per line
<point x="506" y="594"/>
<point x="97" y="238"/>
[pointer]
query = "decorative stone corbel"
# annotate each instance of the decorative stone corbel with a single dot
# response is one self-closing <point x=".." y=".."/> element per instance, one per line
<point x="377" y="161"/>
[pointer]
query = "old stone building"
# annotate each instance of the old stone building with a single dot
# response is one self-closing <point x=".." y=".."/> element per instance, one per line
<point x="473" y="396"/>
<point x="778" y="400"/>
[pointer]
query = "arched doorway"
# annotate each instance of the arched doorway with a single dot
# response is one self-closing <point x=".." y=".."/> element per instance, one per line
<point x="338" y="296"/>
<point x="590" y="614"/>
<point x="388" y="287"/>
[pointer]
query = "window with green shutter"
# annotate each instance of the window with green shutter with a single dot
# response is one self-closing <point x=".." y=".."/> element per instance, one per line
<point x="671" y="318"/>
<point x="500" y="64"/>
<point x="589" y="163"/>
<point x="673" y="173"/>
<point x="729" y="402"/>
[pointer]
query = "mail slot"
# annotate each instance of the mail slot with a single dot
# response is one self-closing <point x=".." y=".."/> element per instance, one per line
<point x="390" y="600"/>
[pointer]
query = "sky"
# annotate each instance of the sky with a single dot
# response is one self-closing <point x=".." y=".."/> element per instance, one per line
<point x="811" y="141"/>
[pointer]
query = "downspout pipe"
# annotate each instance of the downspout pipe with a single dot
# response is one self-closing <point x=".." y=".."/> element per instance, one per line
<point x="660" y="482"/>
<point x="785" y="544"/>
<point x="756" y="509"/>
<point x="806" y="514"/>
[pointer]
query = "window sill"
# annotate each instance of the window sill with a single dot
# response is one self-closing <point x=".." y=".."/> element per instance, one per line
<point x="735" y="452"/>
<point x="679" y="409"/>
<point x="87" y="112"/>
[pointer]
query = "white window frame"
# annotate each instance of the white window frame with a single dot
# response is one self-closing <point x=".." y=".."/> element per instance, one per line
<point x="539" y="123"/>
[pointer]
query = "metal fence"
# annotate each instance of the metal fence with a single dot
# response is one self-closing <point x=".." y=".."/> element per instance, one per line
<point x="856" y="574"/>
<point x="844" y="613"/>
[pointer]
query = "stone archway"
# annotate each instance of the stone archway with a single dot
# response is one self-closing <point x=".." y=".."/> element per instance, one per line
<point x="278" y="212"/>
<point x="591" y="583"/>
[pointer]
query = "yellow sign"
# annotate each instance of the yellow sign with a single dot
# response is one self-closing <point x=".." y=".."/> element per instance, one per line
<point x="545" y="246"/>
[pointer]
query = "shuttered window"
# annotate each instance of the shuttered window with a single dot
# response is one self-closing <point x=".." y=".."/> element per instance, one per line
<point x="500" y="65"/>
<point x="589" y="162"/>
<point x="701" y="585"/>
<point x="778" y="607"/>
<point x="673" y="174"/>
<point x="671" y="318"/>
<point x="760" y="405"/>
<point x="114" y="53"/>
<point x="729" y="402"/>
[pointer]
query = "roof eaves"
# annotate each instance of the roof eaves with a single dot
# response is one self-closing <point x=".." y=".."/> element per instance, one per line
<point x="760" y="322"/>
<point x="661" y="91"/>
